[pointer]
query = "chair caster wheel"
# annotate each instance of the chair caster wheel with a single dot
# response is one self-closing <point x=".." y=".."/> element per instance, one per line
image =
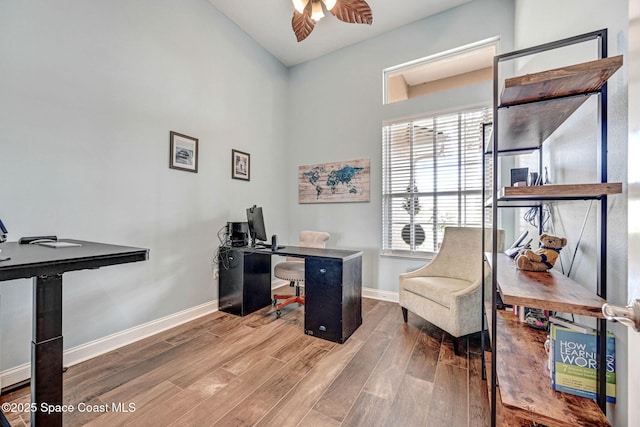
<point x="275" y="302"/>
<point x="278" y="314"/>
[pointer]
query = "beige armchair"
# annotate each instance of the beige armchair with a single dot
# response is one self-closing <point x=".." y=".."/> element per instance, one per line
<point x="447" y="291"/>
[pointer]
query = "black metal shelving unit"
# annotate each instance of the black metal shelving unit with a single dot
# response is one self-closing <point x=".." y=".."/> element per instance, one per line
<point x="497" y="144"/>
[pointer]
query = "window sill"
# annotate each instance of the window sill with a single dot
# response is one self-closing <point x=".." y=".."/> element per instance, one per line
<point x="426" y="256"/>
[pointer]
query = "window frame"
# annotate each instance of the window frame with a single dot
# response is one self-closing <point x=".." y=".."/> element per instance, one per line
<point x="462" y="192"/>
<point x="431" y="68"/>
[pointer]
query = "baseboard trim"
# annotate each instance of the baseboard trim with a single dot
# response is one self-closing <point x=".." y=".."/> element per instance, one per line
<point x="391" y="296"/>
<point x="112" y="342"/>
<point x="278" y="283"/>
<point x="15" y="375"/>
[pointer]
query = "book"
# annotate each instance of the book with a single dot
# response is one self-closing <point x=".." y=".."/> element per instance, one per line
<point x="534" y="317"/>
<point x="571" y="324"/>
<point x="575" y="360"/>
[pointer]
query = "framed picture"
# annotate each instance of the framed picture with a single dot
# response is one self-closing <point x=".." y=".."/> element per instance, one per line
<point x="183" y="152"/>
<point x="240" y="165"/>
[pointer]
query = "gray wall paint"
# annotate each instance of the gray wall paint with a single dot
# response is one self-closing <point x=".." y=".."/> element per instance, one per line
<point x="90" y="91"/>
<point x="336" y="113"/>
<point x="572" y="152"/>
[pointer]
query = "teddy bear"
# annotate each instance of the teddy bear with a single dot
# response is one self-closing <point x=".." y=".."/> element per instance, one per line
<point x="545" y="257"/>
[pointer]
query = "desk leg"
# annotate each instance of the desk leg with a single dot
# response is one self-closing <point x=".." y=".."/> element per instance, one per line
<point x="3" y="420"/>
<point x="46" y="350"/>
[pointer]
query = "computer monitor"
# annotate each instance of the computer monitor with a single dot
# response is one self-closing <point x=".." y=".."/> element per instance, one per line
<point x="256" y="225"/>
<point x="3" y="232"/>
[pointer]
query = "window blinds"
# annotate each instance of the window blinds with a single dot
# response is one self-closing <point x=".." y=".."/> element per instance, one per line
<point x="432" y="178"/>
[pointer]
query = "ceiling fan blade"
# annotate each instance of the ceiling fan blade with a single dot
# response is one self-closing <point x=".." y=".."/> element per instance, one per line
<point x="353" y="11"/>
<point x="302" y="24"/>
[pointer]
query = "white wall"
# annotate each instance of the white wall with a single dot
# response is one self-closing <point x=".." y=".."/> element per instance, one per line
<point x="571" y="153"/>
<point x="90" y="91"/>
<point x="336" y="113"/>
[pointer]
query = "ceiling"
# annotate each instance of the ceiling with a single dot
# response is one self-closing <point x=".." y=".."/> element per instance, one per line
<point x="268" y="22"/>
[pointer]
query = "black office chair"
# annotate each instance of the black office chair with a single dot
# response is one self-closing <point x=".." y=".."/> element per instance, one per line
<point x="292" y="269"/>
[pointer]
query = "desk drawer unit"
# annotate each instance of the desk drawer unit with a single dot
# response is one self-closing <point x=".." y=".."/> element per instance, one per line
<point x="245" y="281"/>
<point x="333" y="297"/>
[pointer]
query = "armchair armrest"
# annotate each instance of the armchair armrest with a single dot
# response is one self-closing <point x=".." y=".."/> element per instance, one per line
<point x="462" y="293"/>
<point x="426" y="270"/>
<point x="459" y="257"/>
<point x="472" y="287"/>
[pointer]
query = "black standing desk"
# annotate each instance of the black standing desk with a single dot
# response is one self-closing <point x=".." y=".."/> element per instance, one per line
<point x="46" y="266"/>
<point x="333" y="286"/>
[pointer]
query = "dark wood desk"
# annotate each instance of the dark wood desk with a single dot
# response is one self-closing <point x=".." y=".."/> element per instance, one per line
<point x="46" y="266"/>
<point x="333" y="286"/>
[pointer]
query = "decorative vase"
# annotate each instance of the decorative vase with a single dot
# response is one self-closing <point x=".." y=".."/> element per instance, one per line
<point x="418" y="233"/>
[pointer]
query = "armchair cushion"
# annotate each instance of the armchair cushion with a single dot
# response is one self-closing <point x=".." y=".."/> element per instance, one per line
<point x="437" y="289"/>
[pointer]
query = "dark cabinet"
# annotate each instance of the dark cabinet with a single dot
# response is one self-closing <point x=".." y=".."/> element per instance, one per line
<point x="333" y="297"/>
<point x="244" y="282"/>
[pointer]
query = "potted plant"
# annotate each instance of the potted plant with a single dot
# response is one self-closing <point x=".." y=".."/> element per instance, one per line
<point x="411" y="204"/>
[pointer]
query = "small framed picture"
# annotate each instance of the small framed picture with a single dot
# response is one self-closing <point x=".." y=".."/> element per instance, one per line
<point x="240" y="165"/>
<point x="183" y="152"/>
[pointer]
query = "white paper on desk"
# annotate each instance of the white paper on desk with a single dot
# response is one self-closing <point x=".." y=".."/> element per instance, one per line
<point x="58" y="244"/>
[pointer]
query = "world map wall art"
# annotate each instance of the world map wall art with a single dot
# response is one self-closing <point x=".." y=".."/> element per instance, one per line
<point x="335" y="182"/>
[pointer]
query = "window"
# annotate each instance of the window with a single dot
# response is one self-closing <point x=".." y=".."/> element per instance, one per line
<point x="432" y="178"/>
<point x="462" y="66"/>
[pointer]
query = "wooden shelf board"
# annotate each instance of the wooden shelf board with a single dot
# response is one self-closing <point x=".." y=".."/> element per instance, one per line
<point x="536" y="194"/>
<point x="504" y="415"/>
<point x="545" y="290"/>
<point x="535" y="105"/>
<point x="560" y="82"/>
<point x="523" y="203"/>
<point x="527" y="126"/>
<point x="560" y="191"/>
<point x="525" y="385"/>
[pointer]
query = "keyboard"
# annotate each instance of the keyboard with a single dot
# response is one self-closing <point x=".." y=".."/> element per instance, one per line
<point x="268" y="246"/>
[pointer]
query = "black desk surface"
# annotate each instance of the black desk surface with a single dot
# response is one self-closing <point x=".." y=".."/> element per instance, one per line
<point x="303" y="252"/>
<point x="35" y="260"/>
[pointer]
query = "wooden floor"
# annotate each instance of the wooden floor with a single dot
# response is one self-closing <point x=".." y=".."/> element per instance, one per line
<point x="225" y="370"/>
